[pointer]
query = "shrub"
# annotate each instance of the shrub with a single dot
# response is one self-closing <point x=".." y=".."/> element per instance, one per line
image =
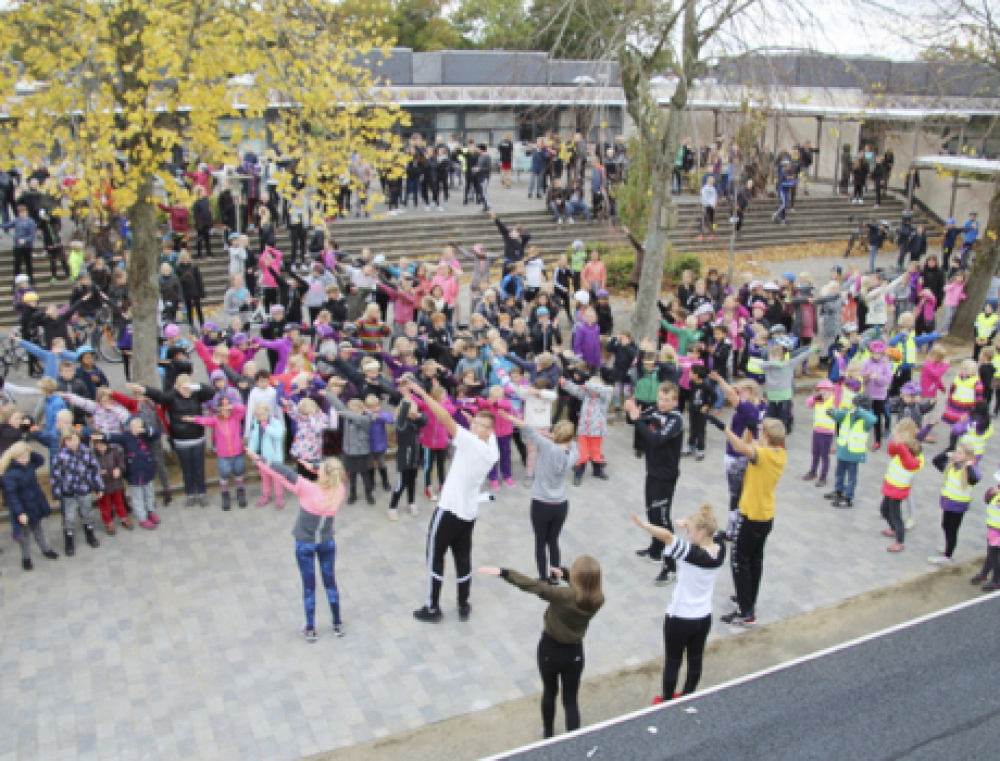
<point x="678" y="265"/>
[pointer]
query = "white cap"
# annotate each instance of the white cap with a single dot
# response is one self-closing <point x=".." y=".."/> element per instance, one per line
<point x="771" y="287"/>
<point x="582" y="296"/>
<point x="578" y="245"/>
<point x="379" y="259"/>
<point x="704" y="309"/>
<point x="22" y="279"/>
<point x="755" y="284"/>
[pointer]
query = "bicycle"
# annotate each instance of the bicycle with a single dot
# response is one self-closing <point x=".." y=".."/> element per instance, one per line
<point x="12" y="356"/>
<point x="106" y="331"/>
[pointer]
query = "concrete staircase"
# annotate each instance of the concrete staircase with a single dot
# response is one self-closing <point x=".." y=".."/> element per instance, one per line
<point x="422" y="235"/>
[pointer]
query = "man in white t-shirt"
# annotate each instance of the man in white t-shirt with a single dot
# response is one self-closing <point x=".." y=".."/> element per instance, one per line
<point x="454" y="519"/>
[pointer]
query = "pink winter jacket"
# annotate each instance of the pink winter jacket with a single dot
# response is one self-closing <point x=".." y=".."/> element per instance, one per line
<point x="954" y="294"/>
<point x="312" y="497"/>
<point x="434" y="435"/>
<point x="265" y="267"/>
<point x="404" y="304"/>
<point x="502" y="426"/>
<point x="228" y="432"/>
<point x="449" y="288"/>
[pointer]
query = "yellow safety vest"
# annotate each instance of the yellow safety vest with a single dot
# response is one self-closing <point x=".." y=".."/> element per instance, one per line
<point x="821" y="418"/>
<point x="909" y="351"/>
<point x="993" y="512"/>
<point x="900" y="477"/>
<point x="996" y="363"/>
<point x="853" y="435"/>
<point x="977" y="441"/>
<point x="986" y="325"/>
<point x="847" y="398"/>
<point x="953" y="488"/>
<point x="965" y="390"/>
<point x="754" y="366"/>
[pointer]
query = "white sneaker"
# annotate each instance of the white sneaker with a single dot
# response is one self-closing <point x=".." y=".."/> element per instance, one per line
<point x="440" y="208"/>
<point x="414" y="510"/>
<point x="559" y="221"/>
<point x="571" y="221"/>
<point x="861" y="201"/>
<point x="427" y="209"/>
<point x="909" y="523"/>
<point x="940" y="560"/>
<point x="393" y="514"/>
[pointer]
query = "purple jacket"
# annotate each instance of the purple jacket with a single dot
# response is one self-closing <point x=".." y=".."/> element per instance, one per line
<point x="587" y="343"/>
<point x="281" y="345"/>
<point x="877" y="386"/>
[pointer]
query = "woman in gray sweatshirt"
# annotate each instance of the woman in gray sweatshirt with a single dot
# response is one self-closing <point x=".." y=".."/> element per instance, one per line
<point x="557" y="454"/>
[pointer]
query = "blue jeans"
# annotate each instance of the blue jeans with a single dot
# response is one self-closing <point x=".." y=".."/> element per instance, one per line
<point x="412" y="188"/>
<point x="535" y="183"/>
<point x="846" y="478"/>
<point x="577" y="207"/>
<point x="873" y="252"/>
<point x="231" y="466"/>
<point x="305" y="554"/>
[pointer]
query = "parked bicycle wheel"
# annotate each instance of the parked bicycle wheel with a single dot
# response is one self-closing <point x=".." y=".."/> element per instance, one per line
<point x="105" y="341"/>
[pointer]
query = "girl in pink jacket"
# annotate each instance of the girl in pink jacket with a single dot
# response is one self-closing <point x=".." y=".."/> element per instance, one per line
<point x="404" y="303"/>
<point x="445" y="278"/>
<point x="434" y="438"/>
<point x="503" y="429"/>
<point x="228" y="425"/>
<point x="954" y="294"/>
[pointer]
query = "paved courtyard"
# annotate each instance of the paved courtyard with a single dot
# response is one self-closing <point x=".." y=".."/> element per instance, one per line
<point x="184" y="642"/>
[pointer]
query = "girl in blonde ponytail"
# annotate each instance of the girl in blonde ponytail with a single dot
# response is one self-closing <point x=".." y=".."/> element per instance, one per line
<point x="319" y="502"/>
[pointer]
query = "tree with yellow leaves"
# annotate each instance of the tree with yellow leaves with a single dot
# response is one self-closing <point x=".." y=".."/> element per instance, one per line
<point x="117" y="85"/>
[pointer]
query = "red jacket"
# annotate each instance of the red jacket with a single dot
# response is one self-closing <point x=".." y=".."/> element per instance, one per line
<point x="178" y="217"/>
<point x="909" y="462"/>
<point x="132" y="405"/>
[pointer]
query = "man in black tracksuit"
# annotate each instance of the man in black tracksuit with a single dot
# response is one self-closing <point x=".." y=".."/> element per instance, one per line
<point x="662" y="431"/>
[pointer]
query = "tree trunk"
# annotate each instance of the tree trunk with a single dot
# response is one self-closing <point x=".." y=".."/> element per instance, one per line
<point x="978" y="283"/>
<point x="144" y="288"/>
<point x="662" y="219"/>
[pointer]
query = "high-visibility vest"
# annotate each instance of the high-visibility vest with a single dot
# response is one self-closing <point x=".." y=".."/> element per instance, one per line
<point x="853" y="435"/>
<point x="953" y="488"/>
<point x="993" y="512"/>
<point x="900" y="477"/>
<point x="754" y="366"/>
<point x="847" y="398"/>
<point x="986" y="325"/>
<point x="965" y="390"/>
<point x="821" y="418"/>
<point x="996" y="363"/>
<point x="909" y="351"/>
<point x="977" y="441"/>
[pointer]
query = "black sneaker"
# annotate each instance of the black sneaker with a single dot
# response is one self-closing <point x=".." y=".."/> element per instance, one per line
<point x="428" y="616"/>
<point x="738" y="619"/>
<point x="27" y="565"/>
<point x="979" y="578"/>
<point x="832" y="495"/>
<point x="647" y="554"/>
<point x="464" y="611"/>
<point x="51" y="555"/>
<point x="664" y="577"/>
<point x="339" y="630"/>
<point x="309" y="634"/>
<point x="842" y="502"/>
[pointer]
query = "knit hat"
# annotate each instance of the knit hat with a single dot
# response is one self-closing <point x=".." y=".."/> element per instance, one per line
<point x="276" y="309"/>
<point x="578" y="245"/>
<point x="22" y="279"/>
<point x="912" y="388"/>
<point x="789" y="276"/>
<point x="877" y="347"/>
<point x="582" y="296"/>
<point x="772" y="286"/>
<point x="850" y="327"/>
<point x="478" y="248"/>
<point x="370" y="364"/>
<point x="759" y="305"/>
<point x="950" y="221"/>
<point x="290" y="327"/>
<point x="704" y="309"/>
<point x="346" y="346"/>
<point x="209" y="327"/>
<point x="217" y="375"/>
<point x="30" y="297"/>
<point x="602" y="294"/>
<point x="239" y="339"/>
<point x="171" y="331"/>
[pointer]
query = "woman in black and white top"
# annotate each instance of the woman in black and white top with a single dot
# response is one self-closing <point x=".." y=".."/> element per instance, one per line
<point x="689" y="614"/>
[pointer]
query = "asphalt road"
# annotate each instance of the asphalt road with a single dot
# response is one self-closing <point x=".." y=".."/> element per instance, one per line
<point x="926" y="691"/>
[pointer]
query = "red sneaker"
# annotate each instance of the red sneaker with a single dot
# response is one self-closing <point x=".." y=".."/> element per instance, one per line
<point x="657" y="700"/>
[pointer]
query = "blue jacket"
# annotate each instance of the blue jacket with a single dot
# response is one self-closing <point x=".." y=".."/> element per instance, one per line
<point x="970" y="232"/>
<point x="53" y="406"/>
<point x="272" y="446"/>
<point x="918" y="341"/>
<point x="49" y="359"/>
<point x="24" y="495"/>
<point x="92" y="379"/>
<point x="24" y="229"/>
<point x="538" y="161"/>
<point x="140" y="467"/>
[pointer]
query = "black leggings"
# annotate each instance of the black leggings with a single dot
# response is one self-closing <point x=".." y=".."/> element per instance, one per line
<point x="558" y="661"/>
<point x="405" y="479"/>
<point x="682" y="635"/>
<point x="547" y="520"/>
<point x="432" y="456"/>
<point x="521" y="448"/>
<point x="950" y="523"/>
<point x="194" y="305"/>
<point x="881" y="413"/>
<point x="204" y="237"/>
<point x="367" y="480"/>
<point x="991" y="566"/>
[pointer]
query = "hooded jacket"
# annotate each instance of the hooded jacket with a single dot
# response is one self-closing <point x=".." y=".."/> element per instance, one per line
<point x="110" y="459"/>
<point x="594" y="413"/>
<point x="357" y="428"/>
<point x="140" y="466"/>
<point x="409" y="455"/>
<point x="228" y="431"/>
<point x="267" y="440"/>
<point x="23" y="494"/>
<point x="178" y="407"/>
